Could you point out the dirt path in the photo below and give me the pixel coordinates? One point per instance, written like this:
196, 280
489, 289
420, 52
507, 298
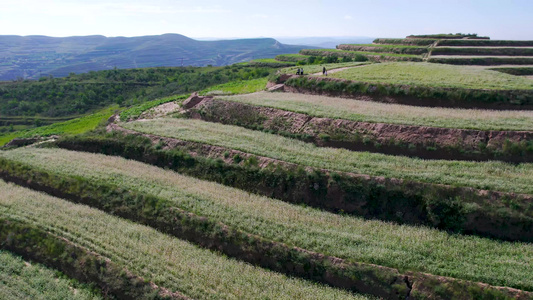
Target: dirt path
337, 70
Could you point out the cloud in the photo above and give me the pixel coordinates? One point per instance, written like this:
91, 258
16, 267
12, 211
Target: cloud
258, 16
347, 17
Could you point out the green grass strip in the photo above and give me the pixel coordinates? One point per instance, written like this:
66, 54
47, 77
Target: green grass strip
75, 126
237, 87
435, 75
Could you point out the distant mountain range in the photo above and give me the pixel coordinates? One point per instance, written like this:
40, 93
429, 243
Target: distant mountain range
31, 57
325, 42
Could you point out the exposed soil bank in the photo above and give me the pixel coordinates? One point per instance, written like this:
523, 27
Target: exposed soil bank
409, 95
418, 141
76, 262
458, 209
372, 279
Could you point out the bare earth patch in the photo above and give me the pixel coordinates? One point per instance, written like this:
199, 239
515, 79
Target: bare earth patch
160, 111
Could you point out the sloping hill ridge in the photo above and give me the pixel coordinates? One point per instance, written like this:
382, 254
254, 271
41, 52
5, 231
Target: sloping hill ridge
31, 57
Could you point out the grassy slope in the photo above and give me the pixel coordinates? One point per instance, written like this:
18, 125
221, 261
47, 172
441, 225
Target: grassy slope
167, 261
75, 126
403, 247
22, 280
497, 176
425, 74
376, 112
237, 87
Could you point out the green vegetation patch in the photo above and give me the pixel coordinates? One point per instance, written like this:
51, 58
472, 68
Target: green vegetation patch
483, 175
292, 57
20, 279
166, 261
75, 126
237, 87
376, 112
434, 75
382, 243
79, 94
135, 111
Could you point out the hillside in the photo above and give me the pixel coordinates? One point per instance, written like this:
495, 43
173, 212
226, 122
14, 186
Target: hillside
378, 179
31, 57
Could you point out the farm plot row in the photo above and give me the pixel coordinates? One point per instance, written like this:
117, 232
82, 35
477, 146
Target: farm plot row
445, 76
354, 54
377, 48
455, 43
482, 51
495, 176
20, 279
169, 262
375, 112
493, 214
415, 141
414, 93
481, 61
347, 237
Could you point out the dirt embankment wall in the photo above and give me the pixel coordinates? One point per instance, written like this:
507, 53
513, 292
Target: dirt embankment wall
418, 141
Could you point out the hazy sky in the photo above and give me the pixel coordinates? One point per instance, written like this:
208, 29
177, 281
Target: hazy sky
500, 19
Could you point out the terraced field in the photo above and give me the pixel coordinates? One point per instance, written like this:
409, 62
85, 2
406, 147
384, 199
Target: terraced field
375, 112
169, 262
434, 75
241, 194
483, 175
20, 279
351, 238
